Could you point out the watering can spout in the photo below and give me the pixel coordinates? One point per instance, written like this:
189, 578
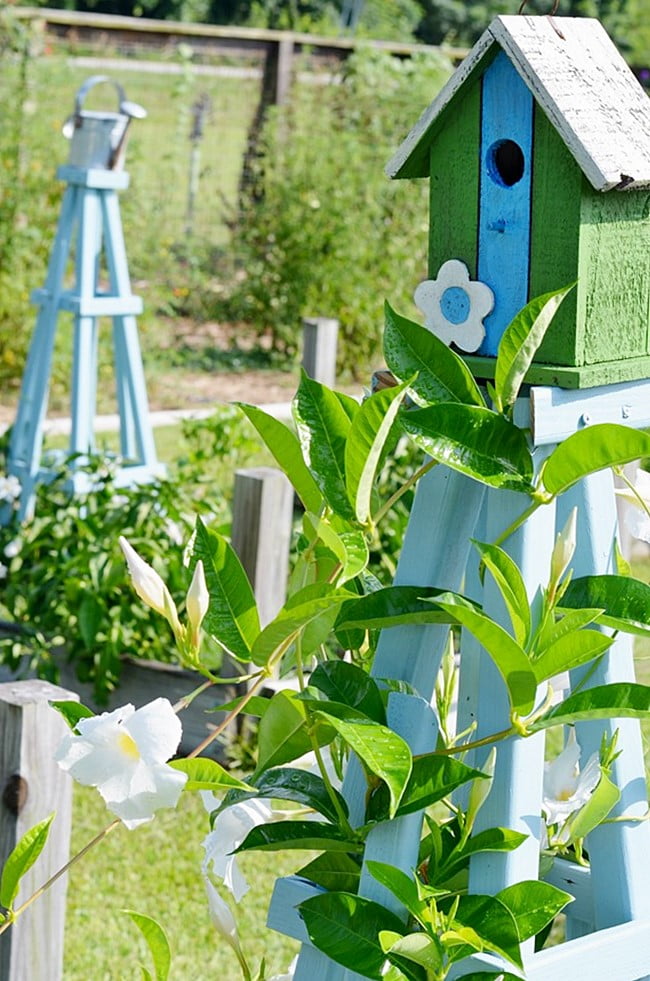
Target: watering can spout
98, 139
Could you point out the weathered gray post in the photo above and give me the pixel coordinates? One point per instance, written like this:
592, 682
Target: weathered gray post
32, 787
319, 340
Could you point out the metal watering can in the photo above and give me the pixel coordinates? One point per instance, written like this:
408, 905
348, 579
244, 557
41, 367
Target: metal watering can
98, 139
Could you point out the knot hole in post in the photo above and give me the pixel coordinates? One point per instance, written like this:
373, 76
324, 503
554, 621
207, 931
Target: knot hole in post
14, 795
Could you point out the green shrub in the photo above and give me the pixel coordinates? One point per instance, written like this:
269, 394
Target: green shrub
323, 232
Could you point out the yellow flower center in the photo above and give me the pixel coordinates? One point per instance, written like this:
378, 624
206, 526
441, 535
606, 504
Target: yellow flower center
128, 745
565, 794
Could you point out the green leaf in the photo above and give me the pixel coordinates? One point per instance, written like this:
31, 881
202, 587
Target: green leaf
285, 449
570, 651
282, 733
511, 585
157, 942
493, 922
298, 835
565, 624
365, 444
441, 375
533, 904
323, 428
604, 797
520, 341
474, 441
432, 778
394, 605
351, 685
206, 774
310, 607
621, 700
232, 616
347, 543
625, 602
402, 886
300, 786
490, 840
89, 617
347, 928
21, 860
491, 976
594, 448
72, 712
334, 871
417, 947
511, 660
382, 751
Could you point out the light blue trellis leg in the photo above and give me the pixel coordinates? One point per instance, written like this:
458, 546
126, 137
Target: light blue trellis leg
515, 798
27, 434
434, 553
620, 852
136, 434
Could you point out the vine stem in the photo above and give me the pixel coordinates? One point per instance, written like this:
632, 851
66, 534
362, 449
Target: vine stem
57, 875
496, 737
420, 472
518, 522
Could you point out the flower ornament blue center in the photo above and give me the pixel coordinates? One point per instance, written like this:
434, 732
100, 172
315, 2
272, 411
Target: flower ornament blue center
455, 305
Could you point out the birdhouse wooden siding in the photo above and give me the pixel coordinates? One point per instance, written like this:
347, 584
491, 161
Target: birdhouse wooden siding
538, 154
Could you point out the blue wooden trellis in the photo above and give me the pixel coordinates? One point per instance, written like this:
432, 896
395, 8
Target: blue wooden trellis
608, 925
89, 228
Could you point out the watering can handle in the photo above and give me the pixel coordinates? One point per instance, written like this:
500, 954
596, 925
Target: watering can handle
89, 84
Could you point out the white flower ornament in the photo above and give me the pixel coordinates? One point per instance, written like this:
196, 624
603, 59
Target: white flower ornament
454, 307
124, 755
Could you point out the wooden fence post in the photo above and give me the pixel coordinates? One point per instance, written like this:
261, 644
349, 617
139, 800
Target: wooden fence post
32, 787
319, 339
261, 534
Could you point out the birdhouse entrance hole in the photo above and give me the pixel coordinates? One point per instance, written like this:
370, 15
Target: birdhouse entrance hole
505, 162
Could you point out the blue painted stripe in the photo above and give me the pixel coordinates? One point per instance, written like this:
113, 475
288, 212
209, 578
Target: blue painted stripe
504, 200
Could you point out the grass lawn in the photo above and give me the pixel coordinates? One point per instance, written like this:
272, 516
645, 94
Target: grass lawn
155, 870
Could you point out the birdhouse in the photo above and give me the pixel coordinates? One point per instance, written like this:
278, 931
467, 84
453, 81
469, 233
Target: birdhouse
538, 155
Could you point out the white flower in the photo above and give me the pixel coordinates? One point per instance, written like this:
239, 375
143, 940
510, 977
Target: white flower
150, 587
124, 755
222, 918
565, 546
12, 549
230, 829
454, 307
566, 789
9, 488
197, 603
637, 520
290, 972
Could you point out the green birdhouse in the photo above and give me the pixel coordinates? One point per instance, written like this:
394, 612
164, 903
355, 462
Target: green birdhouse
538, 155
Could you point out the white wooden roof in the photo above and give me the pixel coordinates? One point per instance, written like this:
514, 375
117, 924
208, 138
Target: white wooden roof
582, 84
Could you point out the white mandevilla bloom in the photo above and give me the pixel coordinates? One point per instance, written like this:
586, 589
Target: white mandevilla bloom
291, 970
230, 829
9, 488
637, 520
197, 603
454, 306
12, 549
566, 788
150, 587
222, 918
124, 755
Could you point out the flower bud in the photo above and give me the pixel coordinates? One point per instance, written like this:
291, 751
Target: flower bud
221, 916
149, 586
565, 546
197, 603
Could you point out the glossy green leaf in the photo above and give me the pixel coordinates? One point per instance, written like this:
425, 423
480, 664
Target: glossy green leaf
441, 375
520, 341
21, 859
334, 871
570, 651
511, 660
604, 797
511, 585
620, 700
323, 428
394, 605
347, 543
351, 685
382, 751
432, 778
491, 976
533, 904
72, 712
298, 836
490, 840
475, 441
625, 602
417, 947
493, 922
206, 774
232, 616
588, 450
297, 785
567, 623
285, 449
311, 606
365, 445
402, 886
157, 942
347, 927
282, 733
